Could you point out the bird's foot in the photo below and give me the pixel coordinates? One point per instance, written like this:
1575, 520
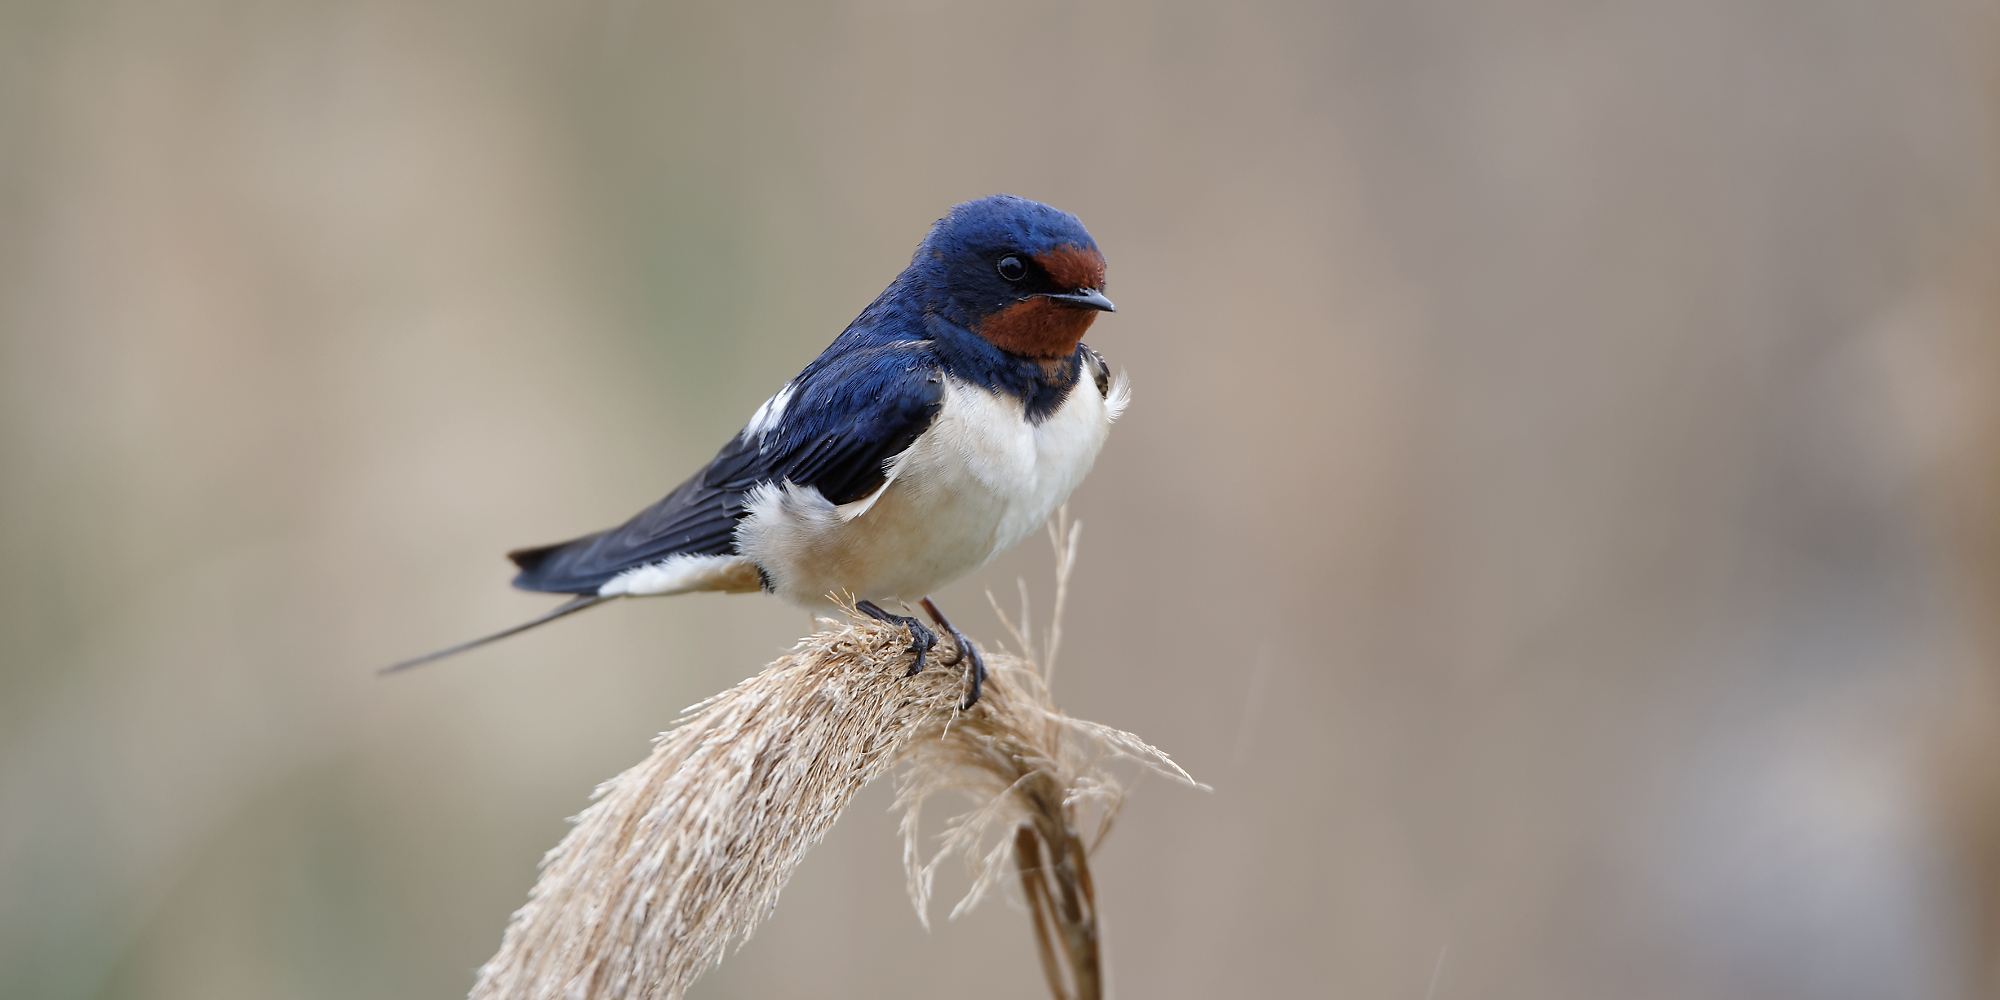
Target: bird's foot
965, 649
921, 637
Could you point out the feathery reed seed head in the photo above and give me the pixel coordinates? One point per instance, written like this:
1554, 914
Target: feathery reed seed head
687, 851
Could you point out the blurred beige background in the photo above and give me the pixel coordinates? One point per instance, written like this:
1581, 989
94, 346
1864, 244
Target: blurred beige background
1559, 514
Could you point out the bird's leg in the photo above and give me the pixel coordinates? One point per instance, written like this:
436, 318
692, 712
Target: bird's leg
921, 638
965, 649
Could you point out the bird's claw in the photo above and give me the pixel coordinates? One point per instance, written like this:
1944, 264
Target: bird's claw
922, 639
963, 649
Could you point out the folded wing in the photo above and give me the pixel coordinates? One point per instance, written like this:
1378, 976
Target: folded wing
835, 428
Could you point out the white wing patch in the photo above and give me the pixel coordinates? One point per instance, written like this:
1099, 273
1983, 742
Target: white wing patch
769, 414
680, 574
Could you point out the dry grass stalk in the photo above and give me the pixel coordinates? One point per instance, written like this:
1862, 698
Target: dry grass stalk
687, 852
1037, 778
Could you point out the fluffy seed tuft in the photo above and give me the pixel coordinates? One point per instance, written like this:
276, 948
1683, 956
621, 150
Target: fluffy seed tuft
687, 852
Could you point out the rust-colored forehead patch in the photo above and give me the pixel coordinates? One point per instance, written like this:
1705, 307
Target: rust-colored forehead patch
1073, 266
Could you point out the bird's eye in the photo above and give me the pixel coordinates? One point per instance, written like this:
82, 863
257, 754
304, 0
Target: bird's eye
1012, 269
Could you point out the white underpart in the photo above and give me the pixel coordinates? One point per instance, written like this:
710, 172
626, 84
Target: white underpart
768, 416
980, 479
680, 574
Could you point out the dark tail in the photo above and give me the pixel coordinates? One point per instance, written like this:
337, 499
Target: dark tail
580, 602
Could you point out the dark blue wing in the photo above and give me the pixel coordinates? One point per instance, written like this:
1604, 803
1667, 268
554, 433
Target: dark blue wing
850, 412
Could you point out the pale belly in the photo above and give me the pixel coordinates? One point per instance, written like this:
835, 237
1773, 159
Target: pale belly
978, 481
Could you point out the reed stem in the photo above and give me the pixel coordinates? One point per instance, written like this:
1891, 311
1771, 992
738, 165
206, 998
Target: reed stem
1063, 906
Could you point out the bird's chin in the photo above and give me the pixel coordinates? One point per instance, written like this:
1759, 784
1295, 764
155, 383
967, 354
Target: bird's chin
1037, 328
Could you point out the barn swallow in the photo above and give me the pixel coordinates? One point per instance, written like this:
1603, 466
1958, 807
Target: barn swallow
945, 424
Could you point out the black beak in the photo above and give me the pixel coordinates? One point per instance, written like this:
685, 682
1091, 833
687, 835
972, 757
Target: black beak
1084, 298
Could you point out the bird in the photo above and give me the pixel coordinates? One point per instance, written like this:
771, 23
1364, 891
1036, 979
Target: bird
945, 424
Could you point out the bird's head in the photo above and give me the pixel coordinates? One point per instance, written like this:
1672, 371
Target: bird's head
1025, 277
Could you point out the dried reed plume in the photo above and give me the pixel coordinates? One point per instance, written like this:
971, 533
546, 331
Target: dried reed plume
1037, 778
687, 851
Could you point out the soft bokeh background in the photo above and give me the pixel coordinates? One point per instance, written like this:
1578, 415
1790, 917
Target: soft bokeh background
1560, 511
